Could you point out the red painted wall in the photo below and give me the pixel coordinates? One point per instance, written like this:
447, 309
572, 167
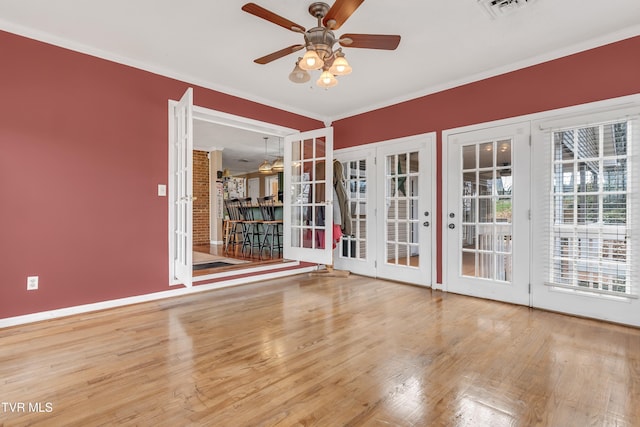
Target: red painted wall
606, 72
83, 146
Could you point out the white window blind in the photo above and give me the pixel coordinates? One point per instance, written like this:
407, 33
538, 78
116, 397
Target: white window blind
592, 208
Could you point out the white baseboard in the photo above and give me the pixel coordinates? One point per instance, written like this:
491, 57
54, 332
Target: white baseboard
216, 242
86, 308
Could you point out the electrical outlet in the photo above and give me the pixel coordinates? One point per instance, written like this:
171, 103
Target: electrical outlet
32, 283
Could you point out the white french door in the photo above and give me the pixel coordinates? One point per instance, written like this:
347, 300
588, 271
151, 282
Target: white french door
487, 213
181, 189
356, 252
405, 216
391, 193
308, 196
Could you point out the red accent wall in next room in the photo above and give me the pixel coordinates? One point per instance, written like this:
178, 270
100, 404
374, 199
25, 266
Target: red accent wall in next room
605, 72
83, 146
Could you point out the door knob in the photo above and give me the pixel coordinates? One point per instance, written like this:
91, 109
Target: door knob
452, 226
426, 223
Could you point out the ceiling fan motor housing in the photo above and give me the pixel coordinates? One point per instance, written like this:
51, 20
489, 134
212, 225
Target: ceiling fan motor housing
321, 40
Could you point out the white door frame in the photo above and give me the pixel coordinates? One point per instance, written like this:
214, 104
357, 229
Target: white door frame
226, 119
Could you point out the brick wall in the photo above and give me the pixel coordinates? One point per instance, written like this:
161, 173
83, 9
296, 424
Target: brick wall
201, 204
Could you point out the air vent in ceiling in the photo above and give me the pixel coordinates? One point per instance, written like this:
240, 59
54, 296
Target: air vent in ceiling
498, 8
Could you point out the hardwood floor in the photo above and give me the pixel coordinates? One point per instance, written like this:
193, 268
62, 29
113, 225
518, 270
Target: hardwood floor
253, 260
321, 351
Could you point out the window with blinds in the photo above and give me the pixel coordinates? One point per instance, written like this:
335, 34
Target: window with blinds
591, 208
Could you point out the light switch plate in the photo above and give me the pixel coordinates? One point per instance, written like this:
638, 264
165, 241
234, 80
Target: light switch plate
162, 190
32, 283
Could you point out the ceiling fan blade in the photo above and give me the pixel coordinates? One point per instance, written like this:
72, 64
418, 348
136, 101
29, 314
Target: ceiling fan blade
279, 54
340, 12
370, 41
263, 13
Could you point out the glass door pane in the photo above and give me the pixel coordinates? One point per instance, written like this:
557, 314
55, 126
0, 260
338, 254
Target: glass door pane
355, 178
308, 216
401, 216
486, 202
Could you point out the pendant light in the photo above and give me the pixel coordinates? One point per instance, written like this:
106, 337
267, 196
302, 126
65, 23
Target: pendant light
278, 164
265, 167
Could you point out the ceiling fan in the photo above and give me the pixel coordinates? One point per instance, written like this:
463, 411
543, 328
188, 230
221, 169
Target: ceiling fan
319, 41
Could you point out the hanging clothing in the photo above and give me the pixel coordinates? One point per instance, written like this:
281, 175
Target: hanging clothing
336, 235
341, 212
341, 198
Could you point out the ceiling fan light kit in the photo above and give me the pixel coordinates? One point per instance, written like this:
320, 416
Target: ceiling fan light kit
327, 80
298, 75
311, 61
340, 66
320, 40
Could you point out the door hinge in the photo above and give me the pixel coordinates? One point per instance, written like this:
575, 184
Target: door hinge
529, 288
529, 140
529, 214
375, 264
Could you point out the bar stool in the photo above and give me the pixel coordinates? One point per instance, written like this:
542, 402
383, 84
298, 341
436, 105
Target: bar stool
250, 227
272, 226
233, 238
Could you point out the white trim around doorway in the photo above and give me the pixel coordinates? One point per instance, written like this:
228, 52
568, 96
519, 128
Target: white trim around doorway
226, 119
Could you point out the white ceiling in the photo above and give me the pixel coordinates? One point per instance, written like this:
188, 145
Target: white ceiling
242, 150
210, 43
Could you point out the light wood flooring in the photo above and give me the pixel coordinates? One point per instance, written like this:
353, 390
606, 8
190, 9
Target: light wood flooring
254, 259
321, 351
